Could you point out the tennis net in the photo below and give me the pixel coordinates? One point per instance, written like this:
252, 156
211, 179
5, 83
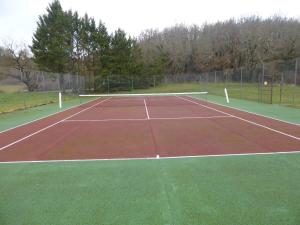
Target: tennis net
152, 99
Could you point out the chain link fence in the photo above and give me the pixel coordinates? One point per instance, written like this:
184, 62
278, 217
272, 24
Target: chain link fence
13, 80
123, 83
276, 82
28, 89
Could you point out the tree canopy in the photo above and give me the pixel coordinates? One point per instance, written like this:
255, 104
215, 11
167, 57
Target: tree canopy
66, 42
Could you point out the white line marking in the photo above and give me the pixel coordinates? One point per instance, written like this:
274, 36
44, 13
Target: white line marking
152, 158
191, 117
32, 121
146, 109
45, 128
104, 120
162, 118
243, 110
157, 156
149, 94
248, 121
226, 94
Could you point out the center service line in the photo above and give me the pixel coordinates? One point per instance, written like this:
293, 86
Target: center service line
148, 117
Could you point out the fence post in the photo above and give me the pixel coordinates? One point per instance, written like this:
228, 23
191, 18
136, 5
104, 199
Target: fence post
154, 81
272, 88
241, 94
280, 91
215, 76
43, 81
207, 84
77, 82
296, 70
262, 82
58, 81
258, 86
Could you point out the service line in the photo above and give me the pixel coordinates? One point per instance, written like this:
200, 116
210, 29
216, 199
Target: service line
45, 128
240, 118
144, 119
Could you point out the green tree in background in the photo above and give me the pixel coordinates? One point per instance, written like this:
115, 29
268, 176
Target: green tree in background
65, 42
52, 41
120, 55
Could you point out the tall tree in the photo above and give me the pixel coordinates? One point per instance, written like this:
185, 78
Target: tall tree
52, 41
120, 55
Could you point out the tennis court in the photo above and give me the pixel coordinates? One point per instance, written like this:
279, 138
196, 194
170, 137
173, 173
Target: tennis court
147, 126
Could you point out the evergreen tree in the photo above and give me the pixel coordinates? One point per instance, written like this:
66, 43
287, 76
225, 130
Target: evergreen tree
52, 41
120, 53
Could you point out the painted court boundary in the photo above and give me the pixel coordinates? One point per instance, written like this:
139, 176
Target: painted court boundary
243, 110
231, 107
227, 114
146, 94
153, 158
44, 117
245, 120
45, 128
151, 118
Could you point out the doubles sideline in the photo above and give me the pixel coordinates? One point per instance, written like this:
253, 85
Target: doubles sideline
240, 118
45, 128
43, 117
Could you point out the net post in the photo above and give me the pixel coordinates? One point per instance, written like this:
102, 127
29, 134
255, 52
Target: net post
60, 100
226, 94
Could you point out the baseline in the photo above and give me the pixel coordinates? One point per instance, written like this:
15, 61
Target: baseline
153, 158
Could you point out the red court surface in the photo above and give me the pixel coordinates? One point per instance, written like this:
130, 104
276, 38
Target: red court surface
147, 127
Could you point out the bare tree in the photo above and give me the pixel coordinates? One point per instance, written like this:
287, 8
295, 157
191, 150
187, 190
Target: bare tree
21, 60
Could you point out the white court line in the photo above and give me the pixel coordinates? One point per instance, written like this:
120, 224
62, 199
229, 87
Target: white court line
146, 109
45, 128
32, 121
243, 110
145, 94
248, 121
153, 158
152, 118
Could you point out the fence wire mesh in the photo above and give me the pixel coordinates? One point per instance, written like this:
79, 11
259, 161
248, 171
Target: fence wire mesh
275, 82
12, 80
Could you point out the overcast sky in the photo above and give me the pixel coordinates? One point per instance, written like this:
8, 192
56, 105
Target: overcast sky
18, 17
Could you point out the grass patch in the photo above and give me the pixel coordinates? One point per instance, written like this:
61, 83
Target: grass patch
10, 102
288, 95
7, 88
12, 119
